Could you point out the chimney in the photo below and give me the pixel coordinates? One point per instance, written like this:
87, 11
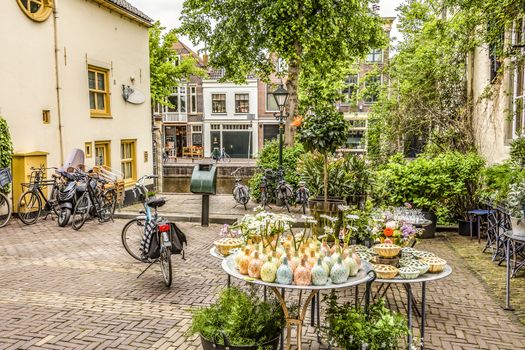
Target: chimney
205, 60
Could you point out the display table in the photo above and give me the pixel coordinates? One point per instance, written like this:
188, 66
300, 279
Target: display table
407, 283
518, 245
363, 276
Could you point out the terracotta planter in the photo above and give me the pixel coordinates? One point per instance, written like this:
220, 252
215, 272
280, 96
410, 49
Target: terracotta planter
210, 345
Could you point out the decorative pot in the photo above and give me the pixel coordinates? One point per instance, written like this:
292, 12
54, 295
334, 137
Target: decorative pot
302, 275
339, 272
331, 207
284, 274
466, 227
212, 345
319, 275
430, 230
268, 271
518, 226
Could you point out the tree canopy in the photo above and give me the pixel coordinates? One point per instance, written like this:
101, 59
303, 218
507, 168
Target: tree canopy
311, 35
166, 70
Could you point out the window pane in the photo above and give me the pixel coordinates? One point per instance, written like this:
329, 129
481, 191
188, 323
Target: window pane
101, 82
91, 76
194, 103
91, 100
183, 103
34, 7
174, 101
101, 103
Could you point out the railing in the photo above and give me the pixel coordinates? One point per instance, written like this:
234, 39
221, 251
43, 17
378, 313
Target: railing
174, 117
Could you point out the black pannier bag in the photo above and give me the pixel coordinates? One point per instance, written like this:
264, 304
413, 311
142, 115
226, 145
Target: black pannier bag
178, 240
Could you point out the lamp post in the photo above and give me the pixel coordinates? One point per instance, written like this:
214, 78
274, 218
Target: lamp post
280, 95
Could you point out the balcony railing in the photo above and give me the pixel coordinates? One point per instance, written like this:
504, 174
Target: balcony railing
174, 117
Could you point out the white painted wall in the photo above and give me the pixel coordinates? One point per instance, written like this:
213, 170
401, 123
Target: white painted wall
88, 34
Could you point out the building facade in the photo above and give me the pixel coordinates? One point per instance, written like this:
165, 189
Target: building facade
230, 116
368, 75
75, 74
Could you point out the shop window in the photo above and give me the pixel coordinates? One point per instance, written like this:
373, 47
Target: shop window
218, 103
242, 103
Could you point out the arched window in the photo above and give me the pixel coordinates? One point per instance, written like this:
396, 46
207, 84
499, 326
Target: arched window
37, 10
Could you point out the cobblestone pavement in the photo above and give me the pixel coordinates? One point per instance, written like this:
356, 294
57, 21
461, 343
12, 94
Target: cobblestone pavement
62, 289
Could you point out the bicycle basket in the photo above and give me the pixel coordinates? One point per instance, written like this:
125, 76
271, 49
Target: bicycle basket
5, 177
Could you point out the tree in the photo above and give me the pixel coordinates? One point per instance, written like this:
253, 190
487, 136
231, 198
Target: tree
308, 35
324, 131
6, 148
166, 70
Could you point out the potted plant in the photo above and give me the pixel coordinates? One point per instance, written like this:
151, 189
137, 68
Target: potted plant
516, 207
238, 320
324, 131
352, 328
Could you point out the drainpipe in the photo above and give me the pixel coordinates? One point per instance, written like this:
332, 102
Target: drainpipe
58, 81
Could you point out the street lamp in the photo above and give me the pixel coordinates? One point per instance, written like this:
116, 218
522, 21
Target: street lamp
280, 95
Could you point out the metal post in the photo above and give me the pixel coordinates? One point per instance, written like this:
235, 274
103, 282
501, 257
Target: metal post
423, 312
281, 127
205, 213
508, 307
282, 330
409, 315
312, 311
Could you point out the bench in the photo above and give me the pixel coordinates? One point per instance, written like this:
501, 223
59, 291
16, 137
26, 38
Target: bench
192, 151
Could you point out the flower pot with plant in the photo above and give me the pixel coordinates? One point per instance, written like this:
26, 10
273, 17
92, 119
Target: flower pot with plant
515, 207
238, 320
323, 132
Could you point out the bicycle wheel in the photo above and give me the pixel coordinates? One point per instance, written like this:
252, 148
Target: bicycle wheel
244, 196
109, 202
5, 210
165, 264
132, 234
53, 201
264, 199
81, 212
29, 207
63, 217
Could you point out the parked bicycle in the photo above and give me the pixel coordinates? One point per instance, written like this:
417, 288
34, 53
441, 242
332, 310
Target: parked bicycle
30, 203
96, 201
5, 204
220, 156
301, 195
149, 238
240, 191
284, 191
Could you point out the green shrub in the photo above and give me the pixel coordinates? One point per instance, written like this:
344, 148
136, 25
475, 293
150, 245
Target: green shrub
497, 180
244, 318
269, 159
6, 149
448, 185
350, 328
517, 151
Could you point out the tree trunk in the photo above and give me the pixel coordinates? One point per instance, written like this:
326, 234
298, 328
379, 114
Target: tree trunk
325, 181
293, 99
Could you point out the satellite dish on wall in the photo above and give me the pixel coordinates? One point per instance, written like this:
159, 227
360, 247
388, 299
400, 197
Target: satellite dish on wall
132, 95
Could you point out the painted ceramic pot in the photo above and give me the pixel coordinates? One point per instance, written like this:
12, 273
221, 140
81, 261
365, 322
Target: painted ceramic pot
339, 273
284, 274
327, 260
268, 271
254, 268
312, 259
325, 249
351, 265
295, 261
244, 261
356, 257
302, 275
319, 275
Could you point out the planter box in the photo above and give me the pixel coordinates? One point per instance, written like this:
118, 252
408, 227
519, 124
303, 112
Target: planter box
331, 207
465, 228
518, 226
209, 345
430, 230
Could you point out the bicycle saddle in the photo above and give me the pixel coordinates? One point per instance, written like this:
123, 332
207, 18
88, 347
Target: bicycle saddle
155, 202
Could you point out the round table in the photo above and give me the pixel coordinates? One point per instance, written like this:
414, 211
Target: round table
511, 239
407, 283
363, 276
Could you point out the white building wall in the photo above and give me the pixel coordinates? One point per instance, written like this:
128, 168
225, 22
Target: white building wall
211, 87
87, 34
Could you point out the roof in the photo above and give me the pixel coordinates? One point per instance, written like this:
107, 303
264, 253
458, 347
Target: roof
183, 49
126, 8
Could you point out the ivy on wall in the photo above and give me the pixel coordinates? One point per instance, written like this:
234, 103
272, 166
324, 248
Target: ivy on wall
6, 148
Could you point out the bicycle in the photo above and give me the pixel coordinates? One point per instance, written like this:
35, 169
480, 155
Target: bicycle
301, 195
263, 188
240, 191
5, 204
30, 202
136, 232
95, 201
284, 192
220, 156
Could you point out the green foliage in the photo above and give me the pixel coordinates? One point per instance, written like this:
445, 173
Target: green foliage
323, 131
6, 148
448, 184
164, 71
517, 151
312, 35
350, 328
244, 318
269, 159
497, 180
516, 199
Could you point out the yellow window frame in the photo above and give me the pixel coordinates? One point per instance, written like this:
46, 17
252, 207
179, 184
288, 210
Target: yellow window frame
106, 146
106, 112
44, 11
132, 160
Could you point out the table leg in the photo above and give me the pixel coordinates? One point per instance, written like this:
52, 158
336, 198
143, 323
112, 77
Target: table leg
312, 311
409, 315
479, 228
291, 321
265, 294
423, 312
318, 316
356, 295
507, 284
229, 281
282, 331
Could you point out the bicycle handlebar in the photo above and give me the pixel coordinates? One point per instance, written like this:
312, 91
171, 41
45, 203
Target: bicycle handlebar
235, 171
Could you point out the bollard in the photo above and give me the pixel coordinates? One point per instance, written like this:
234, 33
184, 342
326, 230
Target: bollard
205, 213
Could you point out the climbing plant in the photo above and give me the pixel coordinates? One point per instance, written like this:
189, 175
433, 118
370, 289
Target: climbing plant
6, 148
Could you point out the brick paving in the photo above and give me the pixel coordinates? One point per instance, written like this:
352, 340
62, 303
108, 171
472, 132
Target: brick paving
62, 289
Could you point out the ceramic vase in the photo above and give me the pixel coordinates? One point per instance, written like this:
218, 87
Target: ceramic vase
302, 275
284, 274
254, 268
339, 272
319, 275
244, 261
268, 271
351, 265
